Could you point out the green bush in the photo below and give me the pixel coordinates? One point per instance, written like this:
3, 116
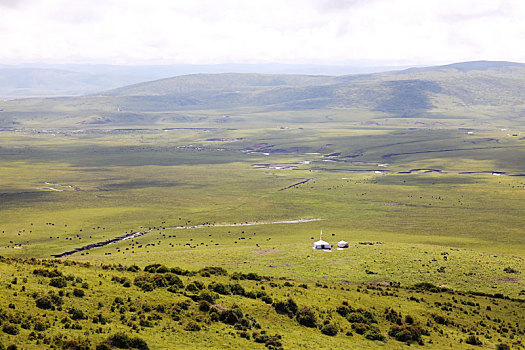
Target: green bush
219, 288
76, 344
288, 307
58, 282
306, 317
204, 306
406, 333
360, 328
192, 326
10, 328
329, 329
374, 334
76, 314
79, 293
473, 340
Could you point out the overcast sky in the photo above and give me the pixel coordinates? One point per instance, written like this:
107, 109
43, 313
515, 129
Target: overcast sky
370, 32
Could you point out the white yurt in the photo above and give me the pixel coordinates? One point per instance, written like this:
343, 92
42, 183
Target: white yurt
342, 244
320, 244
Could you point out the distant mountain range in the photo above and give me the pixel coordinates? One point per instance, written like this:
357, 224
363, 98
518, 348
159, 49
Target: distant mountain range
456, 90
47, 80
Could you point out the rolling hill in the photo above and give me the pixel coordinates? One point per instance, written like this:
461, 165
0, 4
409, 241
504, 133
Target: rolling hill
479, 90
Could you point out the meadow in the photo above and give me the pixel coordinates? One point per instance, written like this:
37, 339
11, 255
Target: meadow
432, 208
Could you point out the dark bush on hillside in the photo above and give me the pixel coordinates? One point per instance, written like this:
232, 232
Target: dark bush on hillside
10, 328
237, 289
123, 341
406, 333
355, 317
133, 268
122, 280
219, 288
153, 268
246, 276
360, 328
344, 310
149, 283
192, 326
430, 287
47, 273
288, 307
231, 316
195, 286
181, 272
208, 296
306, 317
473, 340
173, 280
374, 334
76, 314
204, 306
510, 270
50, 301
58, 282
79, 293
266, 299
40, 325
270, 341
440, 319
329, 329
102, 347
76, 344
502, 346
393, 316
213, 270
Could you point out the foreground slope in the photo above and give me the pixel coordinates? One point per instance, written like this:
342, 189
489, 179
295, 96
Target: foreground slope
80, 306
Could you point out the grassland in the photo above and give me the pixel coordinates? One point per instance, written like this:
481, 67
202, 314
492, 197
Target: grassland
436, 199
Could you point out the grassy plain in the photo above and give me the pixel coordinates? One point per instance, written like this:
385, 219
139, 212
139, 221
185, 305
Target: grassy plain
440, 205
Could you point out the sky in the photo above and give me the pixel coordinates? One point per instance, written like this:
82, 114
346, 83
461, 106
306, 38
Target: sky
327, 32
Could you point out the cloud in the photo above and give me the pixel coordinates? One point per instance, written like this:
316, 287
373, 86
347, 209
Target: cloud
293, 31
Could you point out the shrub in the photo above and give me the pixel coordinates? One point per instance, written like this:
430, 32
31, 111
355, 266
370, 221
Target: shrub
208, 296
123, 341
192, 326
47, 273
502, 346
219, 288
76, 314
237, 289
213, 270
138, 343
195, 286
306, 317
79, 293
374, 334
174, 280
229, 317
10, 328
288, 307
76, 344
204, 306
406, 333
473, 340
58, 282
355, 317
329, 329
40, 326
360, 328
